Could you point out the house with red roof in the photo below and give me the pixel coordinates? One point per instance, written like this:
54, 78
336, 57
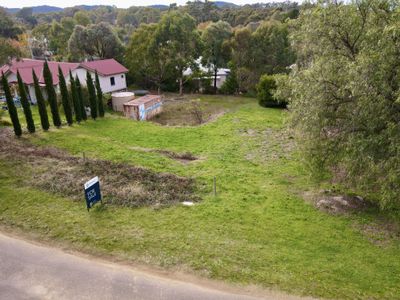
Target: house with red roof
112, 75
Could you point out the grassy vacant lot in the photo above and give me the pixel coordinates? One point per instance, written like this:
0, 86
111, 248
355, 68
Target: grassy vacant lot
258, 230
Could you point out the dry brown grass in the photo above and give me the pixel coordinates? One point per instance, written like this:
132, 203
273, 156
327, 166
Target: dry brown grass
57, 172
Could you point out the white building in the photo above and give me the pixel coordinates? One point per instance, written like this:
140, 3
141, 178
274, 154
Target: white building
112, 75
222, 73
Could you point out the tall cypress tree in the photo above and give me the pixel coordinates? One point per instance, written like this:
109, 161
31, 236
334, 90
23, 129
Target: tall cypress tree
75, 99
44, 119
65, 97
11, 107
51, 95
80, 96
92, 96
99, 96
25, 104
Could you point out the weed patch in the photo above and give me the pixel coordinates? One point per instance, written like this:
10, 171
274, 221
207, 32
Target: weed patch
122, 184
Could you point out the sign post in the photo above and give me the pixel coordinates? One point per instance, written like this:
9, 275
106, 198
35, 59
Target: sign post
92, 192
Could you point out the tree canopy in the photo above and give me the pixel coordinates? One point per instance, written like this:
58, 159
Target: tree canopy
94, 41
344, 94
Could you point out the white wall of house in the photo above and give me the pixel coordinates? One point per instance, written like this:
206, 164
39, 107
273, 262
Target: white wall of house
119, 80
31, 91
12, 77
220, 80
113, 83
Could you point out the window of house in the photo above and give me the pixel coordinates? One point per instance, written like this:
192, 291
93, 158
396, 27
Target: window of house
122, 76
112, 80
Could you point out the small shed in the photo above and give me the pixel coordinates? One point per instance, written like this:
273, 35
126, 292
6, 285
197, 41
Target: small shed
143, 108
119, 99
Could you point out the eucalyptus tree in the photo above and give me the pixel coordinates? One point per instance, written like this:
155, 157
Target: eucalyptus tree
216, 52
344, 94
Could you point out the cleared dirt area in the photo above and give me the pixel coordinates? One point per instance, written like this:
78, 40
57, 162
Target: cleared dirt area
190, 110
55, 171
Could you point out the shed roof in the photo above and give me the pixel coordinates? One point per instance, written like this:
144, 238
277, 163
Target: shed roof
143, 100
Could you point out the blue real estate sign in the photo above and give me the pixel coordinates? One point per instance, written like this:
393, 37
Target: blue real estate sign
92, 192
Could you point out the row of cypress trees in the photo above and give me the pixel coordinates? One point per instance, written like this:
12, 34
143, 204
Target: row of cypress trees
74, 96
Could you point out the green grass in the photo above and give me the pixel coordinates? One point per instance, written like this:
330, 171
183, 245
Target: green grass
256, 231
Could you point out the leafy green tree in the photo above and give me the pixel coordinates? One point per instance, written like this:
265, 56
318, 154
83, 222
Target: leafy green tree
80, 98
11, 107
202, 11
265, 50
25, 104
96, 40
8, 28
99, 94
81, 17
216, 51
60, 34
344, 94
75, 99
272, 52
148, 63
51, 95
135, 16
65, 97
44, 119
92, 96
176, 34
26, 15
8, 50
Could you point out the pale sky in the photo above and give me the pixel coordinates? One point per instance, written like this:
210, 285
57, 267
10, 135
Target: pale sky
118, 3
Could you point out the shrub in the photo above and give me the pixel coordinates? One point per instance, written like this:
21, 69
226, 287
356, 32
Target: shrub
25, 104
11, 107
44, 119
230, 86
51, 95
265, 92
92, 96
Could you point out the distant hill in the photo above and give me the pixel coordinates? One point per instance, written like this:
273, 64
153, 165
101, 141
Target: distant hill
90, 7
159, 6
223, 4
48, 9
42, 9
38, 9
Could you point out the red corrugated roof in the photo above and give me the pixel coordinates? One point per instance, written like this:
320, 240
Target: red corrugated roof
25, 66
105, 67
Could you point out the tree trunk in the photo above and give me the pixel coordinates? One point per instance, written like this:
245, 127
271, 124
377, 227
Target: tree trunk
159, 89
180, 86
215, 80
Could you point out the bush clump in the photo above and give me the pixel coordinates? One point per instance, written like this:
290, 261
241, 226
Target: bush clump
265, 92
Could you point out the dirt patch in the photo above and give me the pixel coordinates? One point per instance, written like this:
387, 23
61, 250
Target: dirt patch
336, 204
341, 204
380, 233
57, 172
185, 111
185, 157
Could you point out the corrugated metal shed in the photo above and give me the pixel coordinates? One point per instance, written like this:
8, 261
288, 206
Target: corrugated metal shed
143, 108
